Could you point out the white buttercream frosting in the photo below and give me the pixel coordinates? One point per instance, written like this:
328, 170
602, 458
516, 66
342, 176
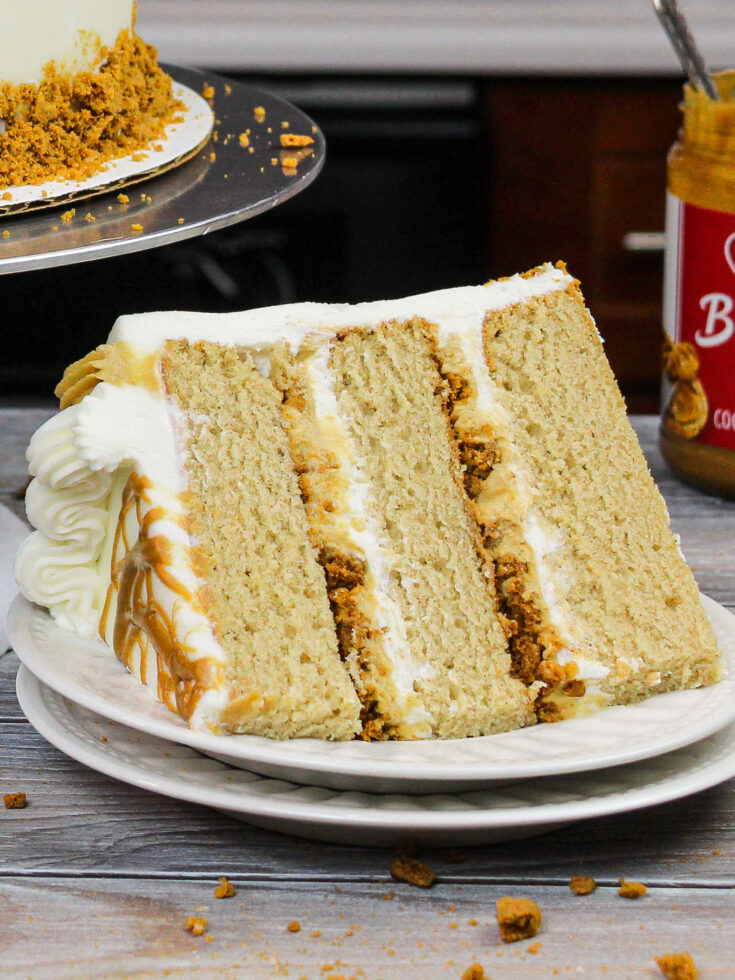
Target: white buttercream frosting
454, 310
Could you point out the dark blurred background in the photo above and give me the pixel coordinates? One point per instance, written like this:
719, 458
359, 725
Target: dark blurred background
438, 173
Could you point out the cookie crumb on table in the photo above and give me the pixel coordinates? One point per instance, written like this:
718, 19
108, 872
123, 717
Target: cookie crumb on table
225, 888
196, 925
518, 918
474, 972
582, 885
677, 966
406, 868
631, 889
294, 926
15, 801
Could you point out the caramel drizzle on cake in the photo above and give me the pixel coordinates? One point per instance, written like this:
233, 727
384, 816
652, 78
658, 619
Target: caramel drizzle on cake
140, 618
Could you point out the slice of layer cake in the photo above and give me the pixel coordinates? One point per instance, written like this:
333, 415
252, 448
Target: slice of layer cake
426, 517
77, 88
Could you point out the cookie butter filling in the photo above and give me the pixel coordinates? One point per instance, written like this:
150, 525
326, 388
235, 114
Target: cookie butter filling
502, 496
358, 526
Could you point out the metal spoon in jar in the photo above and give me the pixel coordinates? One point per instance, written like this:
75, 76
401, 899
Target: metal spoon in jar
683, 43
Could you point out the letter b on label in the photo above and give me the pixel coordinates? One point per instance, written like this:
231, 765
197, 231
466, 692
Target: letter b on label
720, 326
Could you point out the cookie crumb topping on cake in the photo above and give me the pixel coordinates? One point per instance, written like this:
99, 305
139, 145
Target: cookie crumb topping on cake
69, 125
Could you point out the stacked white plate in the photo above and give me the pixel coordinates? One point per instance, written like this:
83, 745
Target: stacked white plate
499, 787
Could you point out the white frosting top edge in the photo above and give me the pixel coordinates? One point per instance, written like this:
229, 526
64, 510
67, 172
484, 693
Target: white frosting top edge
295, 322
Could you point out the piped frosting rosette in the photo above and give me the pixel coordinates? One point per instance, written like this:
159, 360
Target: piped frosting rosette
67, 502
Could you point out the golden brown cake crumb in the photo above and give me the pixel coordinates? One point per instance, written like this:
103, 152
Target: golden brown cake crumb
474, 972
6, 233
228, 90
225, 888
208, 92
389, 896
68, 215
15, 801
631, 889
137, 228
582, 885
244, 139
518, 918
196, 924
89, 217
413, 872
677, 966
259, 113
294, 926
123, 198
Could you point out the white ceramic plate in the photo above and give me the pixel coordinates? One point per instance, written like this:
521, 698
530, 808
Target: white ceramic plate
178, 142
86, 671
500, 813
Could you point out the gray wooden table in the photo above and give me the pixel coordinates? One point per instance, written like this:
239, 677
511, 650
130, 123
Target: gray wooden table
97, 878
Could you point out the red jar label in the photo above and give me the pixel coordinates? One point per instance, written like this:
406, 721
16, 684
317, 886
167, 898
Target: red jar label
699, 319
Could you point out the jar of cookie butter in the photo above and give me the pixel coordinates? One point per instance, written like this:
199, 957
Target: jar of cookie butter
698, 413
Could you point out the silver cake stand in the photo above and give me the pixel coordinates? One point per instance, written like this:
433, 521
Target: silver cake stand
224, 183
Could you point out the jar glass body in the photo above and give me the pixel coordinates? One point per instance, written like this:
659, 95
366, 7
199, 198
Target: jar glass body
698, 413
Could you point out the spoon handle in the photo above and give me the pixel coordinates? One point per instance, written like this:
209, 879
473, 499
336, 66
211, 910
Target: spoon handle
683, 43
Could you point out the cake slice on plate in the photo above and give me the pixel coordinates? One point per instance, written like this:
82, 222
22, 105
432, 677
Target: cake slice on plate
427, 517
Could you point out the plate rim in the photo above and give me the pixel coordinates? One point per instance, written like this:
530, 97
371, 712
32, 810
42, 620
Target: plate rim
694, 779
264, 751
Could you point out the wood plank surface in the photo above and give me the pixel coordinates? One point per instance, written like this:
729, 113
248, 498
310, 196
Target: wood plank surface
137, 929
